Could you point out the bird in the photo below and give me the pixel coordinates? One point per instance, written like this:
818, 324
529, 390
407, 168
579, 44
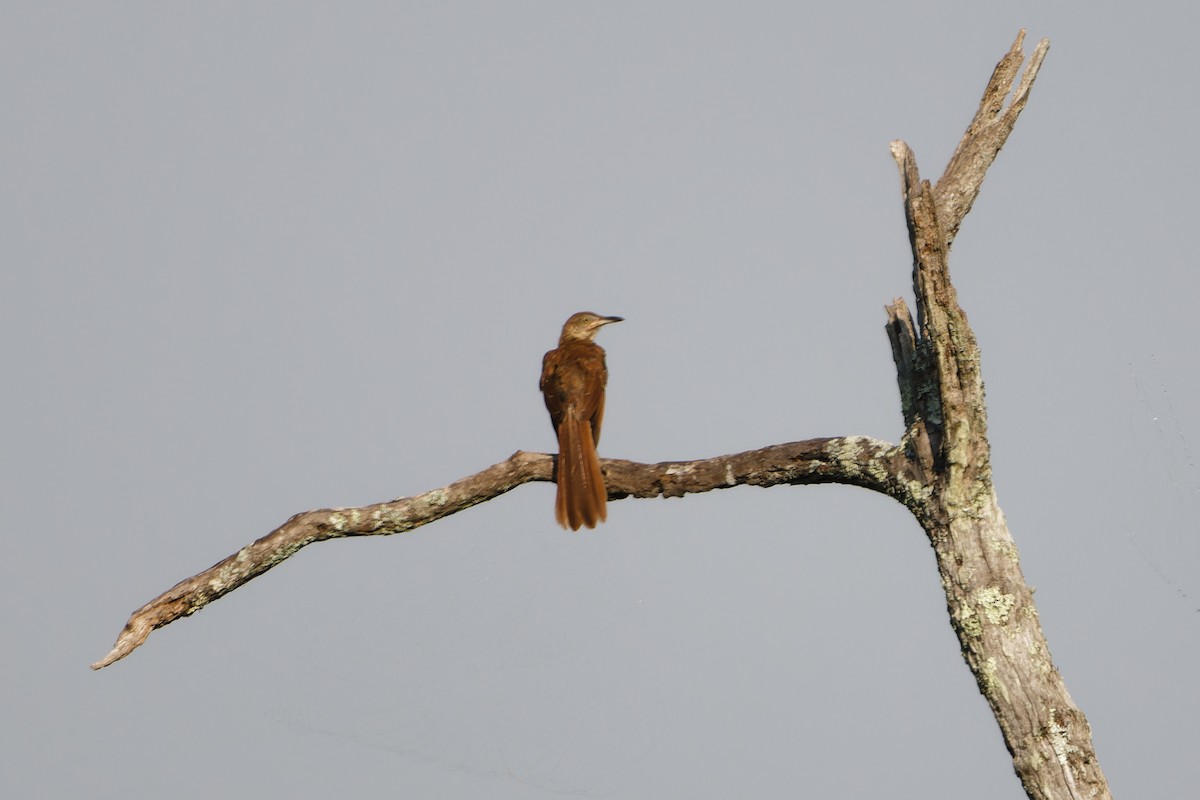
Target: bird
573, 379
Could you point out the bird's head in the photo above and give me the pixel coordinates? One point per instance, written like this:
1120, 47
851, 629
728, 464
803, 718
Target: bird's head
582, 327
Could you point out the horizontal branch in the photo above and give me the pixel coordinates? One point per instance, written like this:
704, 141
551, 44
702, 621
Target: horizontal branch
856, 460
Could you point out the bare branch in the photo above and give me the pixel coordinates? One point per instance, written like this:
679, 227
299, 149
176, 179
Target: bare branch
856, 460
945, 344
903, 338
991, 605
985, 136
189, 596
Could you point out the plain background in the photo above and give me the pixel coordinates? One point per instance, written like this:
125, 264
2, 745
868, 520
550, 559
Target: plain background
266, 257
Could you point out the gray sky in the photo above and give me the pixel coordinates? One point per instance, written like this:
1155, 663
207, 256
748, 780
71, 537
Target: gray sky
266, 258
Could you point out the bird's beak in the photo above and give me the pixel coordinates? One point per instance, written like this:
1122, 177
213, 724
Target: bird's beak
606, 320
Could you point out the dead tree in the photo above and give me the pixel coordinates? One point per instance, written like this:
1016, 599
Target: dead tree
940, 471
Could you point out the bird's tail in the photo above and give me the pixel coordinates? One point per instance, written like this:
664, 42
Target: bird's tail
581, 493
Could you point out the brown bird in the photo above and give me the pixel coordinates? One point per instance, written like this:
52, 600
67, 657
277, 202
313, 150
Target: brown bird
573, 379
